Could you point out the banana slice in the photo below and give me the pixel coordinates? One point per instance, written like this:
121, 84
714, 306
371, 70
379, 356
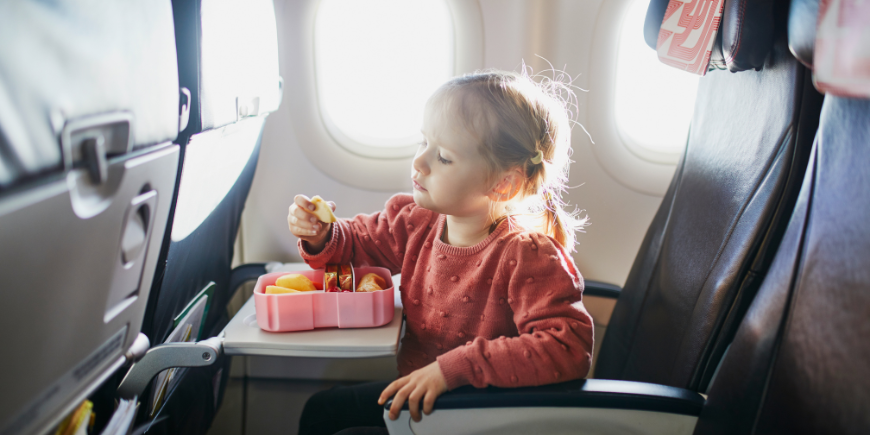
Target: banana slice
322, 210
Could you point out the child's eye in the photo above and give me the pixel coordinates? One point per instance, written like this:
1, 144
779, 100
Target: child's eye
443, 160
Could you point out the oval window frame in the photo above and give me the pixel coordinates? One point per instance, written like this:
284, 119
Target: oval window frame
643, 151
305, 127
630, 164
407, 146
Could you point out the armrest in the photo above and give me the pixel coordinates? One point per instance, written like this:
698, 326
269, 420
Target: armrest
243, 273
601, 289
602, 406
586, 393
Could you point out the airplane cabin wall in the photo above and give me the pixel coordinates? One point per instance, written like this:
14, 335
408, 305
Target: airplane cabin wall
562, 32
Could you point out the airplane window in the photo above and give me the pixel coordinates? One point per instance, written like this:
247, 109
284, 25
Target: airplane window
376, 63
654, 102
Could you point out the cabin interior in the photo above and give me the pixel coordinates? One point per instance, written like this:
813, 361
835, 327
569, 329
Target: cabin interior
150, 149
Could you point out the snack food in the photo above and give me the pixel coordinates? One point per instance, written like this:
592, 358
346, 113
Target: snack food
277, 290
345, 277
371, 282
295, 281
322, 210
330, 278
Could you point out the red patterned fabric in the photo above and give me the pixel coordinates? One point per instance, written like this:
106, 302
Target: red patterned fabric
505, 312
688, 32
842, 57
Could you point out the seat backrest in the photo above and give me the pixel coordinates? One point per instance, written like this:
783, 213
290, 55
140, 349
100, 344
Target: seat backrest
799, 362
89, 104
228, 58
234, 83
725, 211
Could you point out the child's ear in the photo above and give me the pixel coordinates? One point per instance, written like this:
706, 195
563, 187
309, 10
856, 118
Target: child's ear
507, 187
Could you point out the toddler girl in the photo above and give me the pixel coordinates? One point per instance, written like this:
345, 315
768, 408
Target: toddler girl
490, 294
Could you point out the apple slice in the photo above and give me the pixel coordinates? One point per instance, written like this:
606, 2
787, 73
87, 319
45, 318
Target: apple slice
322, 210
275, 290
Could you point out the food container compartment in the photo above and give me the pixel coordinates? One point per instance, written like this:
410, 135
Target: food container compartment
319, 309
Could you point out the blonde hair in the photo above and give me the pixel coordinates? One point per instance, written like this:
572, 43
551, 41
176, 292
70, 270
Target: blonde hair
513, 117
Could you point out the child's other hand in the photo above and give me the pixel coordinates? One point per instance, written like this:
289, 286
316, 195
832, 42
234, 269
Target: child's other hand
427, 383
304, 225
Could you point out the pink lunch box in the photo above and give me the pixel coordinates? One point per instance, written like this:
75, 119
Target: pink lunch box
318, 309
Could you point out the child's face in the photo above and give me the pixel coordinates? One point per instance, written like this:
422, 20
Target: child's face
448, 172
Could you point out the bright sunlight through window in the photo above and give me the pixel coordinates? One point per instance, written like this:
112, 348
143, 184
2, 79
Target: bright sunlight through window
377, 61
654, 102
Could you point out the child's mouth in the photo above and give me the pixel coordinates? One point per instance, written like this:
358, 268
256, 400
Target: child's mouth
418, 186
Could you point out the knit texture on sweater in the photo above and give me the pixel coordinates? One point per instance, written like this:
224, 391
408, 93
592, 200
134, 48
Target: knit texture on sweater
506, 312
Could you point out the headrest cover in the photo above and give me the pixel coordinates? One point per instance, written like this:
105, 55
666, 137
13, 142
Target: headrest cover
741, 35
239, 50
802, 20
688, 32
842, 56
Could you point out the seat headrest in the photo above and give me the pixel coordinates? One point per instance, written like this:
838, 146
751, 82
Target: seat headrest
841, 60
802, 20
745, 29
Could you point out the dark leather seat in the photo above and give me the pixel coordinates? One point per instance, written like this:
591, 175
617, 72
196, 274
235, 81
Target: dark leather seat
800, 362
725, 211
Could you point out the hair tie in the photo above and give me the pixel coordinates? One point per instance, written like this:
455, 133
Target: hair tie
538, 158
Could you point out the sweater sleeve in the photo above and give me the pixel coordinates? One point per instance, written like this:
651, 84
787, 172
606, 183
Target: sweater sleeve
377, 239
555, 330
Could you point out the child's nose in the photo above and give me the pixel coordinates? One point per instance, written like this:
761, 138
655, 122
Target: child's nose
419, 164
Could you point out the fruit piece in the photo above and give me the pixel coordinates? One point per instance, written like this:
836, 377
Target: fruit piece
333, 290
322, 210
345, 282
295, 281
330, 281
371, 282
276, 290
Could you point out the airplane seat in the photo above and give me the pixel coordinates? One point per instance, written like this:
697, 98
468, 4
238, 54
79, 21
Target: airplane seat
799, 362
228, 59
89, 105
721, 219
701, 262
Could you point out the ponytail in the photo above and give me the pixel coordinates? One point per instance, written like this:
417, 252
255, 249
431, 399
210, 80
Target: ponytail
559, 224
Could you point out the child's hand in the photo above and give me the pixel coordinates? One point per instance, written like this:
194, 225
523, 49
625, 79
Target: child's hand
304, 225
427, 383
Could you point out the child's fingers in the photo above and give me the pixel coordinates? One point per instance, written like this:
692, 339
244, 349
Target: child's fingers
391, 389
302, 223
331, 205
303, 202
399, 400
414, 402
429, 401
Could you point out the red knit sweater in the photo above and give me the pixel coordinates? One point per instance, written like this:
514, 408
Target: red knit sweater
505, 312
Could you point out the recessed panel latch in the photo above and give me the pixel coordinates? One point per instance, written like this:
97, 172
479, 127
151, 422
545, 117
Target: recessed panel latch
88, 142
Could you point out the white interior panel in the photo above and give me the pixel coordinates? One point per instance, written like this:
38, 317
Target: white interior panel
551, 421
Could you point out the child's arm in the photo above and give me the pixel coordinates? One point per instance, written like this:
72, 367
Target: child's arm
378, 239
555, 342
